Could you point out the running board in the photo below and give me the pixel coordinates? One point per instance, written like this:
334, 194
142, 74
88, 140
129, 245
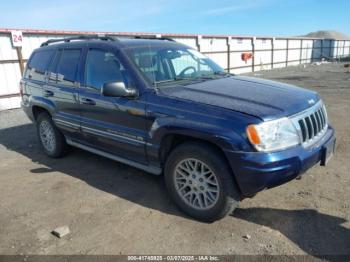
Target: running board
149, 169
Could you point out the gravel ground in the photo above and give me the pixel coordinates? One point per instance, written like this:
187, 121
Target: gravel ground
111, 208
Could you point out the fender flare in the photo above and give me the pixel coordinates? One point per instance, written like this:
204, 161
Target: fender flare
161, 128
43, 103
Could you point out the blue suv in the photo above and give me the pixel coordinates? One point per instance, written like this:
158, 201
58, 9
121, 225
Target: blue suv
165, 108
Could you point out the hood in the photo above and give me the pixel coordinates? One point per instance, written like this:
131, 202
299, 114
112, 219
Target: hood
261, 98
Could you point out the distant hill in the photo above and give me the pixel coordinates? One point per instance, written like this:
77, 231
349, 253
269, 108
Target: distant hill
328, 34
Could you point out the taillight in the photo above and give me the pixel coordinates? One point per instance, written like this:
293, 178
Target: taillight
21, 89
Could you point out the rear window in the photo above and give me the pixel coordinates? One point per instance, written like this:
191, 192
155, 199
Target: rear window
38, 65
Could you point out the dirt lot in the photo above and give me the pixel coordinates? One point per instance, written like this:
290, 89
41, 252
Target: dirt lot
115, 209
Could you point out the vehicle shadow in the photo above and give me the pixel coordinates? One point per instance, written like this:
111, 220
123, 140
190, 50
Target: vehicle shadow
315, 233
318, 234
104, 174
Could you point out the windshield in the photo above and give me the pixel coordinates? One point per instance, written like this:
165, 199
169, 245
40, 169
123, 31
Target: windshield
169, 64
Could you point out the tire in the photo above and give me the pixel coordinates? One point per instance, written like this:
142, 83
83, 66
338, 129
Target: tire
51, 139
194, 191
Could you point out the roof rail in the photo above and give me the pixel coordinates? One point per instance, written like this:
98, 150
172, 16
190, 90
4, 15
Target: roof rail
81, 37
154, 38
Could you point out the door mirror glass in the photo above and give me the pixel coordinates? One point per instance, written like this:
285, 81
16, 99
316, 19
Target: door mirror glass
118, 89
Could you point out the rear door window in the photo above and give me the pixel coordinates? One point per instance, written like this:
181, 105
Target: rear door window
38, 64
66, 70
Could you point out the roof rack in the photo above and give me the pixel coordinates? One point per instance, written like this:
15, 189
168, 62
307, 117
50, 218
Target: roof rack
82, 37
154, 38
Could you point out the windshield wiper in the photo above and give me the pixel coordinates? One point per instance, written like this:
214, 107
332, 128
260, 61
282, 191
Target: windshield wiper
172, 80
191, 79
222, 73
214, 75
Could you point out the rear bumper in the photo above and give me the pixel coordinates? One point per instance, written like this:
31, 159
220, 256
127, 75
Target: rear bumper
27, 109
256, 171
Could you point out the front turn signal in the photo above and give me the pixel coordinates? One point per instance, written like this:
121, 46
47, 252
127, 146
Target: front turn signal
253, 135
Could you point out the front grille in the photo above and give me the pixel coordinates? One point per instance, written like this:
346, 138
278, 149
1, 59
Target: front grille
311, 124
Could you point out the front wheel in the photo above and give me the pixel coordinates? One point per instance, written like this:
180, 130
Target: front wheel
200, 182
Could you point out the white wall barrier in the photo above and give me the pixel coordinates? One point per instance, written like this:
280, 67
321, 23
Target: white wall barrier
234, 53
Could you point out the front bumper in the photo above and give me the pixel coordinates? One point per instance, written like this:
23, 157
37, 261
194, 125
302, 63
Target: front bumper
256, 171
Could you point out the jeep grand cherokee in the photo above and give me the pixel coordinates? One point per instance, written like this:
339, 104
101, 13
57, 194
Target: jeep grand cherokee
165, 108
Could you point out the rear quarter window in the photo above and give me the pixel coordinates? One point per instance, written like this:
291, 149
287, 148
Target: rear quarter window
38, 64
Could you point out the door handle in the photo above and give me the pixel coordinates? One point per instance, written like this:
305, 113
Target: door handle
88, 101
48, 93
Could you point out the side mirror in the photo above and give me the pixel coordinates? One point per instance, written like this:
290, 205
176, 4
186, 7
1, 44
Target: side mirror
118, 89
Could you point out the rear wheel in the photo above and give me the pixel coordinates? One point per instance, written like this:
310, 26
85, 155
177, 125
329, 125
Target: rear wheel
200, 182
51, 139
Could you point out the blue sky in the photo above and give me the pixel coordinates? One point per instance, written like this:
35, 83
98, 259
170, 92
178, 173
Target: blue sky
244, 17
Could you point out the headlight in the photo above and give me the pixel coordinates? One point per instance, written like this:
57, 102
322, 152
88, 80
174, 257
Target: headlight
273, 135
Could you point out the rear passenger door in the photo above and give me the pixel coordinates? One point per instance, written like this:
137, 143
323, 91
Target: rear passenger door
62, 89
112, 124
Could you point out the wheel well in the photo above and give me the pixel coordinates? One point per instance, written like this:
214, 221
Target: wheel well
171, 141
38, 110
